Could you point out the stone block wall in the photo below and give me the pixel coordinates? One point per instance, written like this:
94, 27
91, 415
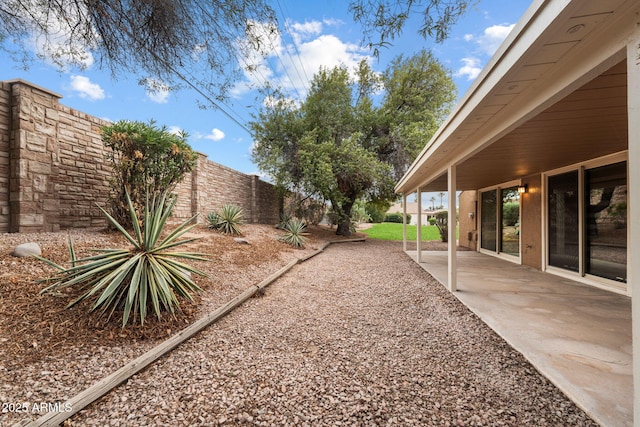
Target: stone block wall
5, 132
211, 185
54, 172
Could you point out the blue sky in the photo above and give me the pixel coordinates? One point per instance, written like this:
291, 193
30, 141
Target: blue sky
317, 33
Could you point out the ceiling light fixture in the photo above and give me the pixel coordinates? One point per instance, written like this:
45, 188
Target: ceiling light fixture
575, 28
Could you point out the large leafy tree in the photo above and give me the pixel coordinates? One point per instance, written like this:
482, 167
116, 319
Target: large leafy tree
341, 145
419, 93
193, 43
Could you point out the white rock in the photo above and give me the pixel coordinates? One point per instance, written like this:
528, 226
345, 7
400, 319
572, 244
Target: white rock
27, 249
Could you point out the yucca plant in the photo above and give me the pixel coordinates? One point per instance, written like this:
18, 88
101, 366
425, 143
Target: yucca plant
294, 232
149, 275
227, 220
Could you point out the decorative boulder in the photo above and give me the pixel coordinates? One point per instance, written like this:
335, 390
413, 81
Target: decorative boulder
241, 241
27, 249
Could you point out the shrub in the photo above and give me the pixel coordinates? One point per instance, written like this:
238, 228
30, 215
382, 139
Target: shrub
149, 276
393, 217
295, 231
145, 158
227, 220
376, 215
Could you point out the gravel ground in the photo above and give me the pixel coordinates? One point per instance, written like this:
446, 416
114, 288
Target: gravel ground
358, 335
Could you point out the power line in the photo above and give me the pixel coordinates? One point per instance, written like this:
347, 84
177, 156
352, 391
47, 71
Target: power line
288, 29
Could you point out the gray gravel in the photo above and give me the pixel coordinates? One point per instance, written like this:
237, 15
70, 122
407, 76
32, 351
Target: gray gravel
358, 335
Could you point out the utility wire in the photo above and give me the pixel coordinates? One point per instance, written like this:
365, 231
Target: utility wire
304, 71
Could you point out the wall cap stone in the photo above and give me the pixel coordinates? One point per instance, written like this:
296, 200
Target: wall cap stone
33, 85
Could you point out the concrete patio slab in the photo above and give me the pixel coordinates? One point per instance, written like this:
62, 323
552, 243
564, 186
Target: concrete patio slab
576, 335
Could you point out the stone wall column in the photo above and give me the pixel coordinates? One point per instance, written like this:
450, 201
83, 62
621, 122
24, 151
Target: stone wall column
33, 160
254, 214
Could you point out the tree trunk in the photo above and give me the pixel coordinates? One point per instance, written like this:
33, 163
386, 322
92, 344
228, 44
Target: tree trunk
344, 228
344, 215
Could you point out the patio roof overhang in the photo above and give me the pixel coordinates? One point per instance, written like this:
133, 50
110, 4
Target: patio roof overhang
554, 94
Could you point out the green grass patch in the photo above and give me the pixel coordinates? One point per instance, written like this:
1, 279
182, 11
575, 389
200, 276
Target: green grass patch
393, 231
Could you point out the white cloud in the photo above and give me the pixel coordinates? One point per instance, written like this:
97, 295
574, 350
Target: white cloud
332, 22
471, 68
83, 87
267, 58
329, 51
307, 28
215, 135
157, 91
175, 130
58, 50
487, 44
57, 45
493, 36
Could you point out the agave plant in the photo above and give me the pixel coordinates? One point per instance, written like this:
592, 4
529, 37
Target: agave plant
150, 275
227, 220
294, 232
214, 220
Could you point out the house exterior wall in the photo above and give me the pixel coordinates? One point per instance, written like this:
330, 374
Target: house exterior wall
54, 173
468, 220
531, 222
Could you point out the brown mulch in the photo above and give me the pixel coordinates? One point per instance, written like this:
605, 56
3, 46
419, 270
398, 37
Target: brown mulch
35, 326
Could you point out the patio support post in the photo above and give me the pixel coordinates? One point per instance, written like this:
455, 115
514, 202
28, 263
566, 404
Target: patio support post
451, 221
633, 212
419, 225
404, 222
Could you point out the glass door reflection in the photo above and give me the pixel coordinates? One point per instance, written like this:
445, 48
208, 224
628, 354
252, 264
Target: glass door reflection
606, 221
510, 221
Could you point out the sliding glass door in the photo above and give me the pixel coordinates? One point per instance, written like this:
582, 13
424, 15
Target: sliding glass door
606, 224
500, 220
564, 228
587, 221
489, 206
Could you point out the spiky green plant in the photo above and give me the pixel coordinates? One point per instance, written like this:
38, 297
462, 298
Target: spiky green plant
227, 220
213, 219
294, 232
149, 275
285, 217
